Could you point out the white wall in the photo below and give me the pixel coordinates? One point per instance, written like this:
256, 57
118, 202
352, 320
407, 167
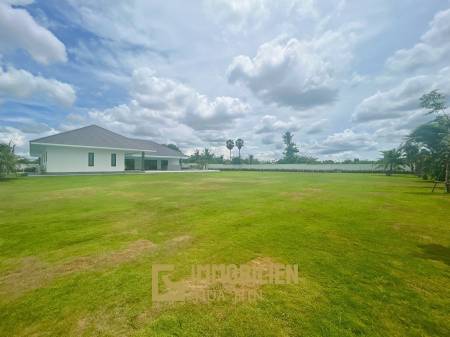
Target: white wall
174, 164
72, 159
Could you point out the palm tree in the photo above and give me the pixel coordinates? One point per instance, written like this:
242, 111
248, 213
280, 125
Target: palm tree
206, 156
239, 144
411, 152
434, 137
435, 102
8, 159
391, 161
230, 145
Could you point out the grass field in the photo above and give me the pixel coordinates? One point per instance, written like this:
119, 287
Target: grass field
76, 253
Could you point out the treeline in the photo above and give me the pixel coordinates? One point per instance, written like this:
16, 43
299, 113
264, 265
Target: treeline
206, 156
291, 155
426, 150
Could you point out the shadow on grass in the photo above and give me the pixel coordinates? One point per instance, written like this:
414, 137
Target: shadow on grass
7, 179
436, 252
429, 193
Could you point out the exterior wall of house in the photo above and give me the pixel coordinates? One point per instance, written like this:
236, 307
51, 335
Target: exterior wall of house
66, 159
174, 164
71, 159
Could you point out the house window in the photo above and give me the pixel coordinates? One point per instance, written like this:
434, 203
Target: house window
129, 163
150, 164
91, 159
113, 159
164, 165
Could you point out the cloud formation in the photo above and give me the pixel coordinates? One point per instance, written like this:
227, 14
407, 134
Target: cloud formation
269, 124
433, 47
251, 69
170, 111
18, 30
403, 99
174, 100
296, 73
346, 141
10, 134
21, 84
241, 16
237, 14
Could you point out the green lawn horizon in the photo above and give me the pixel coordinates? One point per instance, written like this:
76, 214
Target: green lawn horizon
76, 253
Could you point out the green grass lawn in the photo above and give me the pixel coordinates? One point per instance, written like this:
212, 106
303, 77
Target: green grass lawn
76, 253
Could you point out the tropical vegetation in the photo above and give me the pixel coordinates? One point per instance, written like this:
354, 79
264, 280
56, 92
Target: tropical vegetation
8, 159
426, 150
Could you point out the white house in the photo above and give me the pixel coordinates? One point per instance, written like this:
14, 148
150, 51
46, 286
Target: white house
95, 149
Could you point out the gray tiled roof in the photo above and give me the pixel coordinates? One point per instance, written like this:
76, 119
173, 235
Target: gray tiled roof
96, 136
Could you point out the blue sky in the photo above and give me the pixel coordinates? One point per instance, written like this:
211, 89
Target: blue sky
344, 76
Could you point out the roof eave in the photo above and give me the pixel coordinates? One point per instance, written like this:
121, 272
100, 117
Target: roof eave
92, 147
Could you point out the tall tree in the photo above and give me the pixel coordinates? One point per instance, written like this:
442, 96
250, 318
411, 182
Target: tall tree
434, 158
435, 102
391, 161
230, 144
196, 156
205, 157
239, 144
173, 147
424, 163
411, 152
291, 149
8, 159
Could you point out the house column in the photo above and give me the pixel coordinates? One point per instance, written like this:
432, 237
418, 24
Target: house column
142, 161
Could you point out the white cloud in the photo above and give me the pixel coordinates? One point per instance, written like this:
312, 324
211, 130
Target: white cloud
433, 47
174, 100
18, 30
14, 135
27, 125
237, 13
346, 141
269, 123
297, 73
316, 127
268, 139
125, 22
281, 56
170, 111
137, 121
20, 136
401, 100
394, 110
244, 15
19, 83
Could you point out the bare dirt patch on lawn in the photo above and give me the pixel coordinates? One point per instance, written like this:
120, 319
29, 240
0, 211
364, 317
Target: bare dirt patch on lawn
72, 193
33, 273
298, 195
294, 195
